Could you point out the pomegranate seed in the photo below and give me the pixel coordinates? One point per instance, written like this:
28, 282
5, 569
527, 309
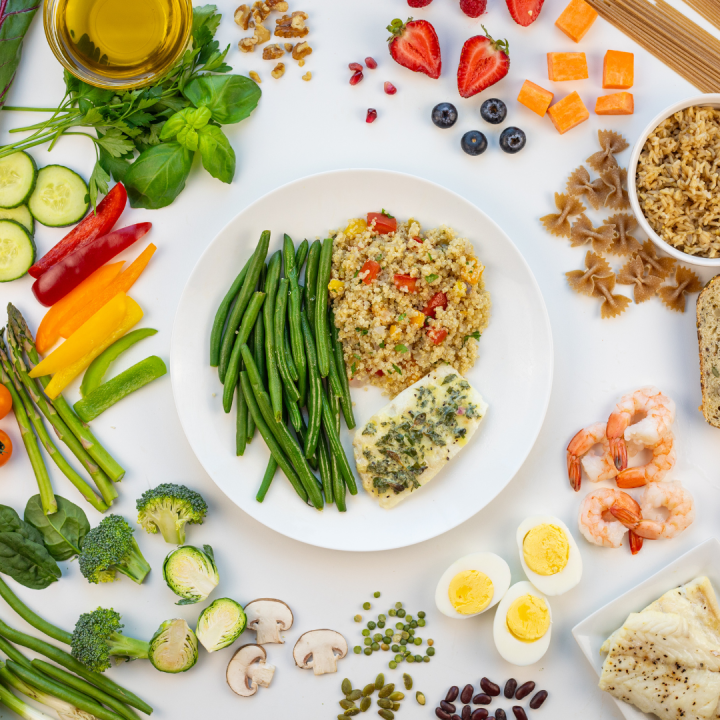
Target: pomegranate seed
370, 62
356, 78
355, 67
371, 115
390, 89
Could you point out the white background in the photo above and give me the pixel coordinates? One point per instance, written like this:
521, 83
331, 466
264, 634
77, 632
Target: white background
302, 128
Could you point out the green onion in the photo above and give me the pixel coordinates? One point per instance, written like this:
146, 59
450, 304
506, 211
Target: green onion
386, 213
353, 368
430, 256
402, 317
362, 331
397, 369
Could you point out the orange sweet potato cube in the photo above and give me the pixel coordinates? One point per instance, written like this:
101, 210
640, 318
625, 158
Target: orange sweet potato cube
576, 19
534, 97
567, 66
618, 70
568, 112
621, 103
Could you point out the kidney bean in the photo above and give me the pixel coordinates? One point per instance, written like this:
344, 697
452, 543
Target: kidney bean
510, 687
479, 714
500, 714
466, 712
490, 687
452, 693
538, 699
455, 717
519, 713
447, 707
524, 690
442, 714
466, 694
482, 699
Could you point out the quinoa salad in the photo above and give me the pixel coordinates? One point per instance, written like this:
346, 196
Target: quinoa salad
406, 300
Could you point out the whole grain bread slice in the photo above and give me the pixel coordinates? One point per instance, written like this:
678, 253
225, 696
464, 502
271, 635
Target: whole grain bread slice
708, 330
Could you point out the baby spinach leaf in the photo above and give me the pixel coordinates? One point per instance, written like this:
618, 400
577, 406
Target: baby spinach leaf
158, 175
63, 532
230, 98
217, 155
10, 522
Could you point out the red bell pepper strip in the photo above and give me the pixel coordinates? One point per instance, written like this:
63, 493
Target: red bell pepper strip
405, 281
384, 224
67, 274
437, 334
438, 300
370, 270
93, 226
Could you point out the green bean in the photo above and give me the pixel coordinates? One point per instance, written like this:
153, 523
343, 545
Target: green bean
216, 334
336, 447
338, 483
233, 368
267, 478
258, 348
311, 281
333, 375
263, 426
315, 407
280, 315
296, 338
325, 471
321, 305
286, 440
293, 412
313, 459
241, 422
243, 298
288, 356
271, 286
301, 256
337, 348
13, 653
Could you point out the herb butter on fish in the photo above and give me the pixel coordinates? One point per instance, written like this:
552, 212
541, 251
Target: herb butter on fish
412, 438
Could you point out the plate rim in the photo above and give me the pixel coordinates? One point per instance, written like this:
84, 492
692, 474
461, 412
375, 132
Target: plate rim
549, 370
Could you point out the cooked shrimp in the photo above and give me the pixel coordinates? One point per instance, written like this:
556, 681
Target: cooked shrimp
663, 460
659, 414
678, 503
597, 467
598, 524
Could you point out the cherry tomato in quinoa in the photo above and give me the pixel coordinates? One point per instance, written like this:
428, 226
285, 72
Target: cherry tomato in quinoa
383, 223
5, 401
370, 270
437, 334
438, 300
405, 281
5, 448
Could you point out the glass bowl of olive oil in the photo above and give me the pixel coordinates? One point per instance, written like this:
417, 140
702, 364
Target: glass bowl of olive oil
118, 44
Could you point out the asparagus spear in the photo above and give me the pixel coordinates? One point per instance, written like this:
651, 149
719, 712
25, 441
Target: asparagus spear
55, 455
101, 456
104, 485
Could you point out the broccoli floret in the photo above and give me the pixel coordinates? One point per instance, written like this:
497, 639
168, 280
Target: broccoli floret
167, 508
109, 548
97, 637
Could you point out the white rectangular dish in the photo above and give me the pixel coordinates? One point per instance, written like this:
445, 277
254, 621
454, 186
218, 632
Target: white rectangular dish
592, 632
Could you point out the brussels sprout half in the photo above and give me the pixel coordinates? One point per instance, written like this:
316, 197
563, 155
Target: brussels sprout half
191, 573
220, 624
173, 647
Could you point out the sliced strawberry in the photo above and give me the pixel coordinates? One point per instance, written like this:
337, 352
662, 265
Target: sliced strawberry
524, 12
418, 3
415, 45
473, 8
483, 62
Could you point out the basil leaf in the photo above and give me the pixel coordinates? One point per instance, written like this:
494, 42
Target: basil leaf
175, 123
158, 175
63, 532
217, 155
230, 98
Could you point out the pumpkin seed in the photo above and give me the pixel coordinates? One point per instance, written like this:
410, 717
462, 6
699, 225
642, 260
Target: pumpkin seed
365, 704
386, 714
346, 687
369, 689
347, 704
420, 698
397, 696
354, 695
408, 681
387, 690
379, 681
352, 711
385, 703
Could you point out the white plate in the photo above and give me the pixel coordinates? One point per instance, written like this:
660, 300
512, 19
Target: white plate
592, 632
513, 373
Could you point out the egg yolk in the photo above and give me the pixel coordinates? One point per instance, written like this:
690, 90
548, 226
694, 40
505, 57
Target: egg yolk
546, 549
528, 618
470, 592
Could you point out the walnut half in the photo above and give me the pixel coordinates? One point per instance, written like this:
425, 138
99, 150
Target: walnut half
291, 26
243, 17
261, 35
278, 71
301, 50
273, 52
277, 5
260, 11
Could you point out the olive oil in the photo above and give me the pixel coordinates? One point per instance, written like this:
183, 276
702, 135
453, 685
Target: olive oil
124, 39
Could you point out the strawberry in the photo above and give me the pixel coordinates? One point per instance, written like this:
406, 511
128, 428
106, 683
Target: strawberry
483, 62
415, 45
524, 12
418, 3
473, 8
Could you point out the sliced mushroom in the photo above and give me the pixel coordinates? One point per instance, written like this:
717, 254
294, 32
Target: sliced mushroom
247, 670
320, 650
268, 617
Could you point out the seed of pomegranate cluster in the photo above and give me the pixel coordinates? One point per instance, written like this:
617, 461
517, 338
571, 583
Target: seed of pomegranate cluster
370, 62
390, 89
356, 78
355, 67
371, 115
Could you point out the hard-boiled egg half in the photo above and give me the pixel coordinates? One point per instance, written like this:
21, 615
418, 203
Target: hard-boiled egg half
472, 585
549, 554
522, 625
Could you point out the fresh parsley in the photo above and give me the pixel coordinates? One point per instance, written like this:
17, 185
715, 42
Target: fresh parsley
386, 213
475, 336
362, 331
402, 317
400, 348
379, 257
382, 345
431, 278
430, 257
397, 369
353, 368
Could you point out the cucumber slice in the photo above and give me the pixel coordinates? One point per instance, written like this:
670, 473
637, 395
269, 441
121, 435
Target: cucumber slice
18, 174
19, 214
17, 250
60, 197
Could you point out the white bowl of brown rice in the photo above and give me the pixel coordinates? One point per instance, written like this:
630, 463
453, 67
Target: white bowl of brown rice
674, 180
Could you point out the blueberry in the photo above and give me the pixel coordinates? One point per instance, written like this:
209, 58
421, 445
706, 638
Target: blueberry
474, 142
444, 115
493, 111
512, 140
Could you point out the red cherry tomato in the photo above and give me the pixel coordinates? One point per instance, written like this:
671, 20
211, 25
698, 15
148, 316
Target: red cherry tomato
405, 281
437, 334
5, 448
383, 223
438, 300
5, 401
372, 270
379, 373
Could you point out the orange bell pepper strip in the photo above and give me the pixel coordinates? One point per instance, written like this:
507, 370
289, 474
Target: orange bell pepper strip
49, 331
122, 283
62, 379
103, 323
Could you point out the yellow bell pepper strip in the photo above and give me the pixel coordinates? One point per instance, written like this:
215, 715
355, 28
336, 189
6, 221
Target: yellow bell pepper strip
122, 283
107, 394
49, 331
103, 323
63, 378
